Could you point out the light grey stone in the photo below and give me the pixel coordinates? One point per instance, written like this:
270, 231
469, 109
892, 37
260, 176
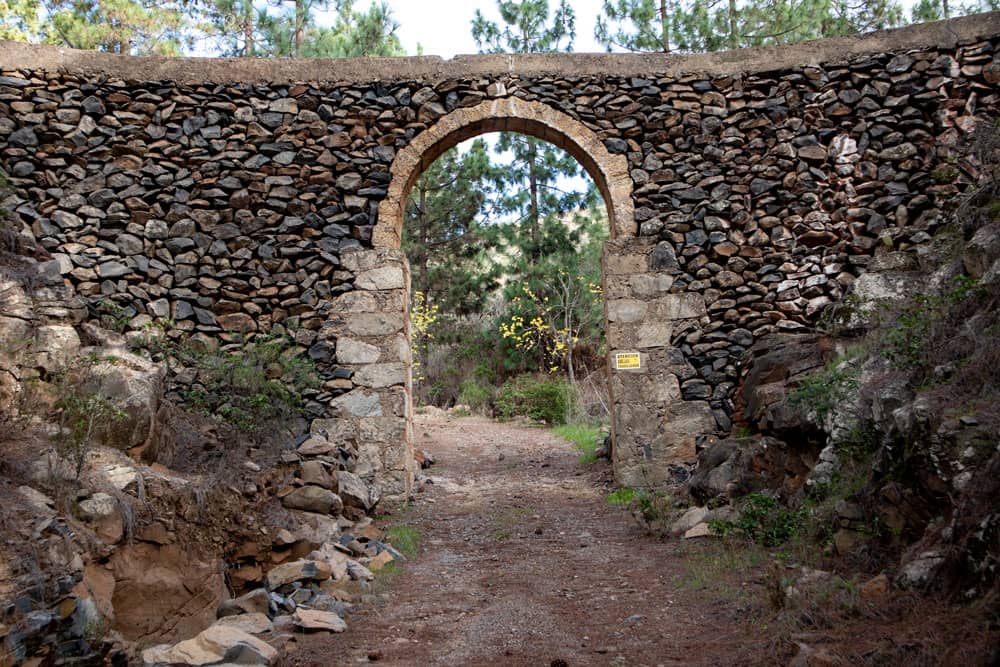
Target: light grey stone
386, 277
358, 403
353, 351
378, 376
626, 310
374, 324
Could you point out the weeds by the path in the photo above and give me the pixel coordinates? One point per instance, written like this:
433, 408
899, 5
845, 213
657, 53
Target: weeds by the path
586, 437
405, 539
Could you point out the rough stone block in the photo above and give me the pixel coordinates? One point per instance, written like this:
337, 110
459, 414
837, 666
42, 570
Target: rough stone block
625, 264
655, 388
626, 310
378, 376
656, 333
375, 324
381, 278
650, 284
353, 351
358, 403
382, 429
339, 430
678, 307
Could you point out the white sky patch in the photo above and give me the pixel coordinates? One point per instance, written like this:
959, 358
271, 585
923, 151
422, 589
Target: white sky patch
444, 27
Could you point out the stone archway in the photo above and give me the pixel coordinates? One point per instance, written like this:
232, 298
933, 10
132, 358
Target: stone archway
608, 170
509, 114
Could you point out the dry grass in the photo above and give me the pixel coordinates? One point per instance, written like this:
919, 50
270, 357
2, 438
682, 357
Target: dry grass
749, 585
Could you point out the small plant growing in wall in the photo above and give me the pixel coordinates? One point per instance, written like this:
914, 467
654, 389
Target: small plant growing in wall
763, 520
8, 229
82, 411
254, 387
112, 315
822, 392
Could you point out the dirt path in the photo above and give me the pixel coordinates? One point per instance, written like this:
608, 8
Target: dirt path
525, 563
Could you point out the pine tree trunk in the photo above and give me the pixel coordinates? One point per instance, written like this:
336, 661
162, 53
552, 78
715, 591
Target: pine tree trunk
424, 236
664, 27
300, 26
248, 41
733, 41
533, 189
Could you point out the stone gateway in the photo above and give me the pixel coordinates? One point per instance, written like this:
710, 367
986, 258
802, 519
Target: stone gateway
745, 191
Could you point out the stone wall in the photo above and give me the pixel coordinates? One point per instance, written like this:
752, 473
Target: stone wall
231, 197
654, 425
371, 332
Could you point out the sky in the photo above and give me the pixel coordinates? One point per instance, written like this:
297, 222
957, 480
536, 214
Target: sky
444, 27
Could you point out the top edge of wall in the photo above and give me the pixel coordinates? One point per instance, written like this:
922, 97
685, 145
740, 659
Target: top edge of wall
944, 34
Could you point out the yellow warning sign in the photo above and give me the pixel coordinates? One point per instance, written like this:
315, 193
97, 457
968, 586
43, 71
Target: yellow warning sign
627, 361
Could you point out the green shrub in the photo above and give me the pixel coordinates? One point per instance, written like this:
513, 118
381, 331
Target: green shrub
474, 395
911, 333
764, 520
622, 496
112, 315
81, 410
254, 387
547, 400
823, 391
8, 227
405, 539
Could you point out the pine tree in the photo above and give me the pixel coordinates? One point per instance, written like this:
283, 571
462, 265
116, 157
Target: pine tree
651, 25
548, 290
694, 26
128, 27
445, 236
532, 200
357, 34
530, 180
19, 20
526, 28
935, 10
294, 31
238, 27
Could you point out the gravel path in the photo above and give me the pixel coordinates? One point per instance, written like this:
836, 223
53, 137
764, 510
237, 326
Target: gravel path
524, 563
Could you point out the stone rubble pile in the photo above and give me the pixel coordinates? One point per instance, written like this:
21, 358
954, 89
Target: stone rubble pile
311, 594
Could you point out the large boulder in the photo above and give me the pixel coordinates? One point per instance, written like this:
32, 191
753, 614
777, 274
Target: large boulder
135, 386
311, 498
55, 348
312, 620
299, 570
102, 513
355, 492
734, 467
163, 593
778, 363
982, 251
218, 645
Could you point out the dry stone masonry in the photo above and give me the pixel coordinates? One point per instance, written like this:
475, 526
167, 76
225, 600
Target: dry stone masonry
747, 190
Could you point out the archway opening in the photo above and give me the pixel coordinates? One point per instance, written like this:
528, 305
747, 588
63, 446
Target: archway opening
504, 235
